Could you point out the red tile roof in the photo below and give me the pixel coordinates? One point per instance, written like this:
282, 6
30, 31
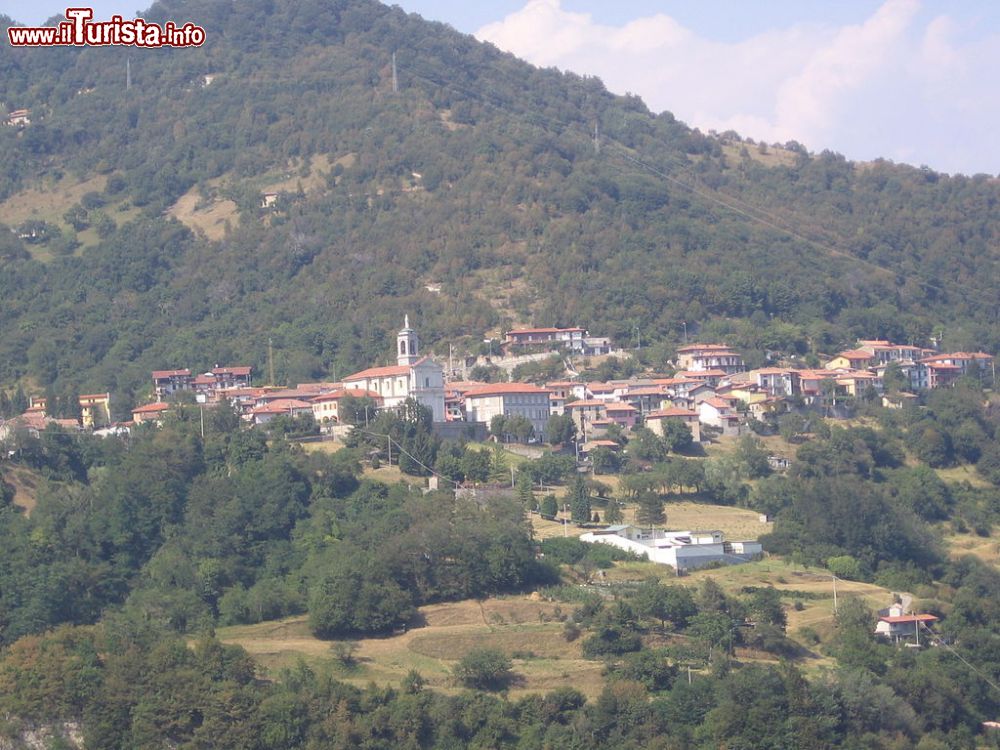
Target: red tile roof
151, 408
673, 411
282, 406
675, 381
337, 395
896, 619
855, 354
464, 385
619, 407
379, 372
718, 403
237, 370
504, 389
586, 403
601, 387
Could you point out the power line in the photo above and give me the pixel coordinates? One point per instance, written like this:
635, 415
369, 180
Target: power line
405, 452
732, 203
939, 642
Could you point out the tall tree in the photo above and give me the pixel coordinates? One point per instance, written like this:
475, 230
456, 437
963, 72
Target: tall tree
650, 511
579, 500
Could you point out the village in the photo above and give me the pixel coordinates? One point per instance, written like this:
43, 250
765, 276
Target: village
708, 388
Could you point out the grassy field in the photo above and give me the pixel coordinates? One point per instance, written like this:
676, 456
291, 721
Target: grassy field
518, 625
212, 216
957, 474
49, 200
985, 548
326, 446
816, 584
735, 523
529, 629
25, 484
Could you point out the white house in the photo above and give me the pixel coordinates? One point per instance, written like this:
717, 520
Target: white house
719, 412
681, 550
509, 399
571, 338
412, 376
702, 357
901, 628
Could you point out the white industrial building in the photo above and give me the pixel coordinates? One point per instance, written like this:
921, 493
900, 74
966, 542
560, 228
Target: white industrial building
682, 550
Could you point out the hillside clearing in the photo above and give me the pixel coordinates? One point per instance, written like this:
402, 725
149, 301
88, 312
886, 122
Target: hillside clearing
25, 483
517, 625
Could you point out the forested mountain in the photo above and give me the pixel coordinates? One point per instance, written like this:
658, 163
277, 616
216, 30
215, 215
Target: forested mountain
481, 174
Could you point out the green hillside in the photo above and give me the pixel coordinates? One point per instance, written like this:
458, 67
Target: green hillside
480, 174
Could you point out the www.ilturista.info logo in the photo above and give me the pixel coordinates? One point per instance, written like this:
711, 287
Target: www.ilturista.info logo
79, 30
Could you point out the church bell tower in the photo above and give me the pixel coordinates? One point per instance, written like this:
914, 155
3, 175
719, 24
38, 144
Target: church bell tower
407, 345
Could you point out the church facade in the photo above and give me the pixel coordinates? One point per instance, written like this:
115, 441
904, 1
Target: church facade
413, 376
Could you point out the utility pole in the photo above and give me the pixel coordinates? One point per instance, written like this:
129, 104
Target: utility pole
512, 477
201, 409
389, 439
395, 79
270, 361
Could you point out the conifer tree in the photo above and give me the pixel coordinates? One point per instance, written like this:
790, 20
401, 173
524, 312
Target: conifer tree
579, 501
650, 511
524, 493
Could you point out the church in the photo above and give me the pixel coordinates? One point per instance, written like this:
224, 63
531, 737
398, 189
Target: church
412, 376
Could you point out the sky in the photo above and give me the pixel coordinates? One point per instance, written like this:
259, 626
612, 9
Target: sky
914, 81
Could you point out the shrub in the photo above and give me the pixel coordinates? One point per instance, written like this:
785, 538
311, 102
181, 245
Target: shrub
484, 669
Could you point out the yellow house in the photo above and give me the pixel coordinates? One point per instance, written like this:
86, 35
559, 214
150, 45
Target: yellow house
856, 359
748, 394
95, 409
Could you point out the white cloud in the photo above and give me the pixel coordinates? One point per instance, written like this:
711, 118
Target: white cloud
862, 89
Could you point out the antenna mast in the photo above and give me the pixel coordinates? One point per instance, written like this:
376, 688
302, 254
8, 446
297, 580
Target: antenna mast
395, 79
270, 361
